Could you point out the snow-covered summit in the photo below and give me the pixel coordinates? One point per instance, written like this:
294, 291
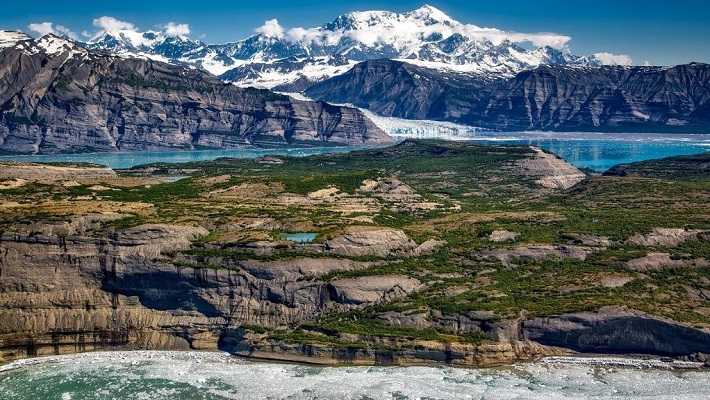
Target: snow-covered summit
53, 44
11, 38
426, 36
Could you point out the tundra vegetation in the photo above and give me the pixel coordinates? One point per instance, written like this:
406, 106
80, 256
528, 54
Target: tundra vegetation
420, 242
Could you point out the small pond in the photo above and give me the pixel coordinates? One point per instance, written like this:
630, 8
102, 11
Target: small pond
299, 237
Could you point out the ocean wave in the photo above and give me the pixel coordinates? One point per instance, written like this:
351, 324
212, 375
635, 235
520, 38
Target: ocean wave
197, 375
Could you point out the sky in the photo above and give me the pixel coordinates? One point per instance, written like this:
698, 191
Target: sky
659, 32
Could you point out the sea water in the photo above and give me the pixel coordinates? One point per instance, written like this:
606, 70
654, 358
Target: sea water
601, 151
119, 160
148, 375
595, 151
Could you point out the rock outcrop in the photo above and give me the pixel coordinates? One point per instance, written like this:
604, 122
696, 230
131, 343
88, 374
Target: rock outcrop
667, 237
66, 288
371, 241
617, 331
550, 171
661, 261
58, 97
535, 252
373, 289
549, 97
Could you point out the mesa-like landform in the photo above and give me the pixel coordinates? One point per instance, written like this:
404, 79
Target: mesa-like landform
423, 252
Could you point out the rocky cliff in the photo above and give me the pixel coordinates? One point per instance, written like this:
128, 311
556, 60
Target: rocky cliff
58, 97
82, 290
649, 99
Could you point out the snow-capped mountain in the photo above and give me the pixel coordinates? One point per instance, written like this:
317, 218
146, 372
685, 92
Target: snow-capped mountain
425, 36
11, 38
49, 44
292, 59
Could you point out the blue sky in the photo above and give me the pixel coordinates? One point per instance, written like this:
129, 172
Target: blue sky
657, 31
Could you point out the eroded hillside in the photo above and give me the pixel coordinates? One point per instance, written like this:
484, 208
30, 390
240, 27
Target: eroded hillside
420, 252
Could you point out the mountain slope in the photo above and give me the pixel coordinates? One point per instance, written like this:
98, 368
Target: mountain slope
548, 97
56, 96
293, 58
399, 89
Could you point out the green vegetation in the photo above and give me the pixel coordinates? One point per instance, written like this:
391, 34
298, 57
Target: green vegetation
477, 190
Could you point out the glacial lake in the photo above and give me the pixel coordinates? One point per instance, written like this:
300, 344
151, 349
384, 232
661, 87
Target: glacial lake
300, 237
595, 151
150, 375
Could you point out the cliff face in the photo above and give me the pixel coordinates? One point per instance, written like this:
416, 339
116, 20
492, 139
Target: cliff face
399, 89
70, 100
65, 289
650, 99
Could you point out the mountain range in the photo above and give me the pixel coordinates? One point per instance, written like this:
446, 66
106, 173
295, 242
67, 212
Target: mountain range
289, 59
131, 90
557, 98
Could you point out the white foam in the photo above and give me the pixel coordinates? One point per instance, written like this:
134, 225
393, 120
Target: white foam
220, 375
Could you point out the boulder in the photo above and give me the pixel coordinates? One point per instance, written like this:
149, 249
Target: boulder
371, 241
500, 236
666, 237
373, 289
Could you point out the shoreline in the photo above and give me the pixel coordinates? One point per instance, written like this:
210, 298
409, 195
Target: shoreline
643, 362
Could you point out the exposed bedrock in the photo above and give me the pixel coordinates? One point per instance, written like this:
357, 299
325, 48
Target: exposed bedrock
612, 331
64, 102
69, 287
64, 290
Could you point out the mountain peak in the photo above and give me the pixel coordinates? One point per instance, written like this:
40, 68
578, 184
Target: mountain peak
54, 44
431, 13
10, 38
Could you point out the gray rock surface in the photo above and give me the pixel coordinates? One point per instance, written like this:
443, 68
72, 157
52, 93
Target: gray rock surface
371, 241
617, 331
661, 261
535, 253
668, 237
373, 289
650, 99
74, 100
501, 235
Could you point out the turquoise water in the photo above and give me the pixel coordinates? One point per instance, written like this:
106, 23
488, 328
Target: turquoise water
300, 237
601, 151
131, 159
596, 151
191, 376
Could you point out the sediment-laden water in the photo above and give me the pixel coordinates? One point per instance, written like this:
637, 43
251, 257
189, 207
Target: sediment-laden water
190, 375
595, 151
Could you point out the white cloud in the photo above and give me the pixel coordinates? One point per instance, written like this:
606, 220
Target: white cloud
45, 28
614, 59
271, 28
136, 37
173, 29
41, 28
113, 25
381, 27
498, 36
